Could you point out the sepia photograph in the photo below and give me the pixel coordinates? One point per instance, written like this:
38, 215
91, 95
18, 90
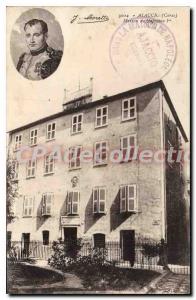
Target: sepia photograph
98, 150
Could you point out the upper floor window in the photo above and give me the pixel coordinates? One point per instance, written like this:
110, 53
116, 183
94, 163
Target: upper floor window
28, 206
47, 199
15, 169
128, 109
99, 199
31, 166
73, 203
49, 164
127, 145
100, 155
101, 116
33, 137
74, 157
51, 131
18, 141
128, 198
77, 123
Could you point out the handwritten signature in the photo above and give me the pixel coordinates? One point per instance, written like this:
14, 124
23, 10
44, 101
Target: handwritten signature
89, 19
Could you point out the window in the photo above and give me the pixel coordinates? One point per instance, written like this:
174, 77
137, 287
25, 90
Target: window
18, 141
45, 235
15, 169
99, 199
99, 240
128, 109
49, 164
47, 199
73, 203
74, 157
33, 137
100, 155
28, 206
128, 144
31, 166
51, 129
128, 198
101, 116
77, 123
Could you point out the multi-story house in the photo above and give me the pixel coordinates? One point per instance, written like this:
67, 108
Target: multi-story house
91, 188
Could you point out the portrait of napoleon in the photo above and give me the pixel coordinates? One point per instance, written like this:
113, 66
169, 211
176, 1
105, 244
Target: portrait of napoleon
41, 60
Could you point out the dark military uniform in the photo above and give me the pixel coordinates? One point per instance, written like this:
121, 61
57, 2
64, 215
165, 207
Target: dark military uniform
39, 64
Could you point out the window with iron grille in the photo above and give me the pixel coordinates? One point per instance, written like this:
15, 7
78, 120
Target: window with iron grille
74, 157
73, 203
45, 235
128, 109
128, 200
33, 137
47, 200
77, 123
31, 167
28, 206
100, 153
49, 164
99, 240
18, 141
128, 144
51, 131
101, 116
99, 199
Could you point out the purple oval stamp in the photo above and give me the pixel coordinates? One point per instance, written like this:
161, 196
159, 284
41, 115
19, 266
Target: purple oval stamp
144, 49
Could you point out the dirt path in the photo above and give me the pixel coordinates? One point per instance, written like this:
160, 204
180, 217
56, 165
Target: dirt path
173, 284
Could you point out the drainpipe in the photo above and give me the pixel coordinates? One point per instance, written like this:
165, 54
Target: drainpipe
163, 179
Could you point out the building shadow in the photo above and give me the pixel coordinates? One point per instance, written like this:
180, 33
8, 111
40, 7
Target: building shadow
40, 218
117, 218
90, 217
63, 210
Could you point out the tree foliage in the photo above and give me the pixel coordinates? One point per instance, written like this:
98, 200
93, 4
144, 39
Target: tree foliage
11, 190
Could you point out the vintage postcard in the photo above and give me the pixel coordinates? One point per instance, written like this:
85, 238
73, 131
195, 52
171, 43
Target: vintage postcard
98, 138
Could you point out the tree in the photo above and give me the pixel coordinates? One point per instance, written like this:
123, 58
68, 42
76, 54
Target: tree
11, 188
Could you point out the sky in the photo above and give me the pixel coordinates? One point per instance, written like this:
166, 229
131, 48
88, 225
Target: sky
87, 53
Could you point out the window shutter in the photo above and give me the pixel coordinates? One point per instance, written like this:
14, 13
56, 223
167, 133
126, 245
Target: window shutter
131, 198
69, 201
75, 200
95, 200
123, 198
102, 197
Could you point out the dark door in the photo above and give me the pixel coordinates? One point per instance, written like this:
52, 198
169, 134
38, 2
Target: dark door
127, 244
70, 233
25, 244
70, 238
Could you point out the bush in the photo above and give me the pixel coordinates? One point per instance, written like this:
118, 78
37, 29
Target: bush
150, 250
64, 254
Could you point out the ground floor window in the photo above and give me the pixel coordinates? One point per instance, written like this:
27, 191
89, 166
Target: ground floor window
99, 240
45, 235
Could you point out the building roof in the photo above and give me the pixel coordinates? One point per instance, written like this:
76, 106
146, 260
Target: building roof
104, 100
